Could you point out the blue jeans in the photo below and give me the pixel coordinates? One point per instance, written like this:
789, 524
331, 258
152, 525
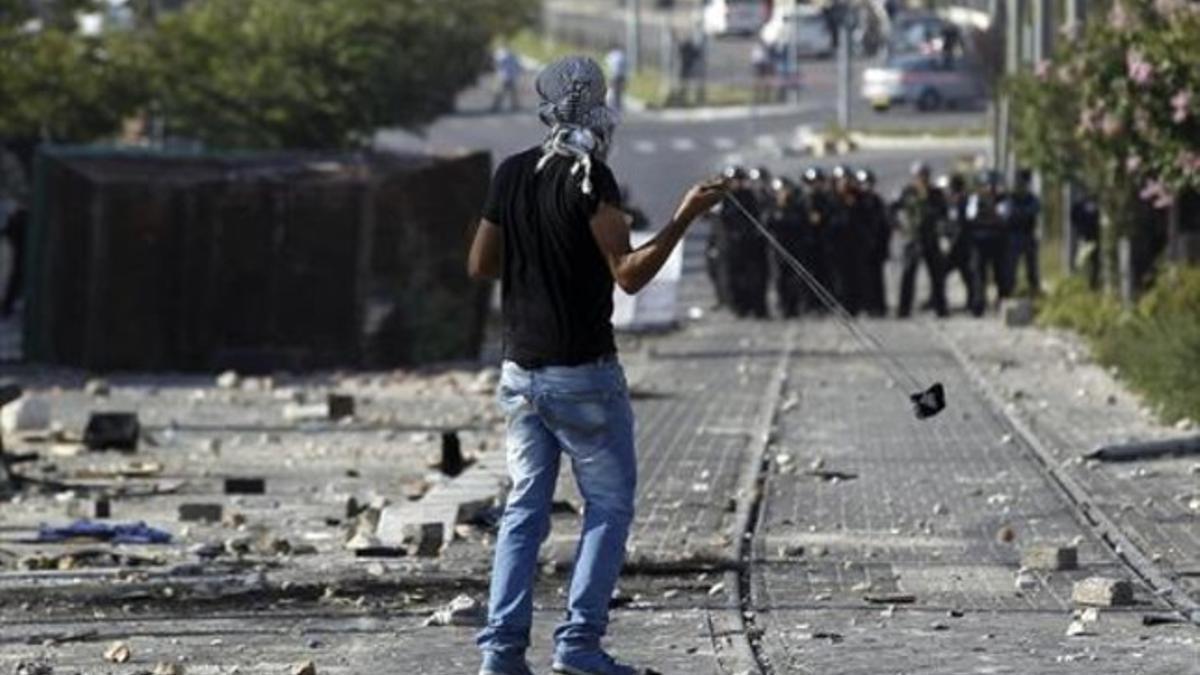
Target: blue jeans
585, 411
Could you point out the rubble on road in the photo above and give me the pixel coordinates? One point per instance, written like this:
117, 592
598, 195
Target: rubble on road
118, 652
463, 610
1050, 557
305, 668
1102, 592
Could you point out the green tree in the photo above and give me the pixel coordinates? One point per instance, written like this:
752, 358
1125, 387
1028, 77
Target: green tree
56, 83
314, 73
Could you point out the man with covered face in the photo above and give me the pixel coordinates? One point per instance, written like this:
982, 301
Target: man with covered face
554, 231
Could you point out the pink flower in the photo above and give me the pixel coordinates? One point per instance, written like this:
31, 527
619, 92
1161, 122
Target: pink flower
1132, 163
1139, 69
1042, 69
1110, 125
1181, 102
1155, 192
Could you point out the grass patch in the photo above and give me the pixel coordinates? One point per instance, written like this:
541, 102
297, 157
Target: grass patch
1155, 347
648, 85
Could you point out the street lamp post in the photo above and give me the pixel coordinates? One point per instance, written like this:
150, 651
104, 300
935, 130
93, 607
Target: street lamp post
845, 74
633, 34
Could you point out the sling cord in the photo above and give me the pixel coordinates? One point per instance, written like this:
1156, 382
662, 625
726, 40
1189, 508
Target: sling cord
890, 364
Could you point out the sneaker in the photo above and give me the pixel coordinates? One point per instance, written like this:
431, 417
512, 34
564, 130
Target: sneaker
497, 665
591, 663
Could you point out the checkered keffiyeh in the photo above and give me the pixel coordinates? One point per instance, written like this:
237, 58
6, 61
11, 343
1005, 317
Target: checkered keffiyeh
572, 92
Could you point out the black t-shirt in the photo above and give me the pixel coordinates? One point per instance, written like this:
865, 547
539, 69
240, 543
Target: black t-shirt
557, 287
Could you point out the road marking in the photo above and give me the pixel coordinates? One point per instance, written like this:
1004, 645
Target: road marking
766, 141
645, 147
724, 143
683, 144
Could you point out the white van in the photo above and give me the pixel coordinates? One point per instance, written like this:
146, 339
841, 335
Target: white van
735, 17
801, 27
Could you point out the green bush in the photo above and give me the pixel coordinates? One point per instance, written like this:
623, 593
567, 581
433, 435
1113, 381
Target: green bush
1073, 305
1155, 347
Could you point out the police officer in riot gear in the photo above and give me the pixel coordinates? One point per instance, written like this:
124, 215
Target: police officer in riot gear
716, 247
848, 240
959, 255
788, 221
1023, 210
986, 225
743, 263
920, 212
878, 231
816, 247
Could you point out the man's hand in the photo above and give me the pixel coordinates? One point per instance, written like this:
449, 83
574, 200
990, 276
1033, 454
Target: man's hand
700, 199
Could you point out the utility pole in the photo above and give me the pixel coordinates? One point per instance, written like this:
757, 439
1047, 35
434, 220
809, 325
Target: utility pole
633, 34
844, 71
1073, 17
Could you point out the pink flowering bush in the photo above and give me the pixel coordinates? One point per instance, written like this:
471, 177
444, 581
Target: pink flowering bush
1126, 122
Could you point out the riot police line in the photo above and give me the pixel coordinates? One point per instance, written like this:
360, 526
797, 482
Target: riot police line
842, 230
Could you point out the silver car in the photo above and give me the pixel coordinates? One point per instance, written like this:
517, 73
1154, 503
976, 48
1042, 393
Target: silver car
926, 81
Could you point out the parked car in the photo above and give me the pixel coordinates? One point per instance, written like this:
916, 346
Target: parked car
735, 17
925, 81
800, 26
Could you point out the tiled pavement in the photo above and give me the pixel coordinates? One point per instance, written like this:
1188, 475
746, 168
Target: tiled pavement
917, 511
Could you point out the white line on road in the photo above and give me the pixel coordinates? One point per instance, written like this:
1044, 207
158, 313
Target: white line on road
645, 147
683, 144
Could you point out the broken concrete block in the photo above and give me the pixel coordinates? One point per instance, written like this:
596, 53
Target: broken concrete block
426, 539
112, 431
98, 508
245, 486
167, 668
463, 610
1025, 580
229, 380
1102, 592
118, 652
452, 462
340, 406
25, 415
1049, 557
1018, 313
305, 668
1078, 629
201, 513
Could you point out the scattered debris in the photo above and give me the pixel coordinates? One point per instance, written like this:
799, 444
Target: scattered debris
118, 652
168, 668
1025, 580
33, 668
452, 463
890, 598
830, 475
939, 509
1160, 619
245, 486
202, 513
112, 431
305, 668
1090, 615
27, 414
1018, 312
1050, 557
1006, 534
340, 406
1102, 592
426, 538
716, 589
463, 610
791, 551
229, 380
1078, 629
97, 388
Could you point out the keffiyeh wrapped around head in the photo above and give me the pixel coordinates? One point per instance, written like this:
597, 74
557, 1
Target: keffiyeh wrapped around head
572, 92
